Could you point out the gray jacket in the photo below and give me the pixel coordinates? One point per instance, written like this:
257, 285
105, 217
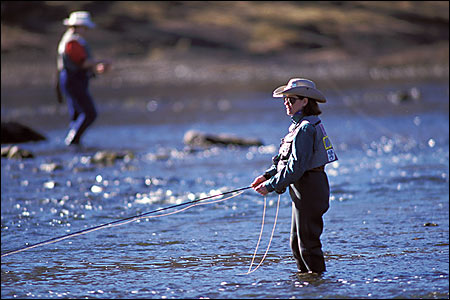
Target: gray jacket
305, 147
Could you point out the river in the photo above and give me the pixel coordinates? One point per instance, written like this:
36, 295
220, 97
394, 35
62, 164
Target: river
386, 233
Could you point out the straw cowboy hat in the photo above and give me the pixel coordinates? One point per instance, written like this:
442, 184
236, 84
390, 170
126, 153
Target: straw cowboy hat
301, 87
79, 18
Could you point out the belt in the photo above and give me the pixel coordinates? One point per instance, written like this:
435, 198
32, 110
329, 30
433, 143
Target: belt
317, 169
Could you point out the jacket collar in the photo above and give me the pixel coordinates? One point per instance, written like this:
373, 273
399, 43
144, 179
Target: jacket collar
298, 117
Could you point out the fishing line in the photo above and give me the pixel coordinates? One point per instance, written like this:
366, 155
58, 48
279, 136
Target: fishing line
174, 212
260, 234
129, 220
347, 101
192, 205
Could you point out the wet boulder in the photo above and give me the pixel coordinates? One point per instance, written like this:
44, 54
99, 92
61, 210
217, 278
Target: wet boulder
196, 138
13, 133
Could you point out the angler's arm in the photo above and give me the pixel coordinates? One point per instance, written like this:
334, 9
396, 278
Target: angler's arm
79, 56
302, 150
257, 183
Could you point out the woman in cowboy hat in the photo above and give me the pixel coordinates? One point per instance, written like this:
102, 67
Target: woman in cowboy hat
299, 165
75, 67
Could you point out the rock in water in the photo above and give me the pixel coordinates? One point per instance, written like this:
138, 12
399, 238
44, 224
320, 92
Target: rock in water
13, 132
13, 151
196, 138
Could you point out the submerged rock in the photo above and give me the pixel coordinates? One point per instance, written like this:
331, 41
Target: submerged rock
14, 151
196, 138
430, 224
109, 158
50, 167
405, 96
13, 132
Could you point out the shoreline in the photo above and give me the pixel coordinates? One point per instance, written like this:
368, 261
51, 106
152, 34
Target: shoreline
161, 49
23, 84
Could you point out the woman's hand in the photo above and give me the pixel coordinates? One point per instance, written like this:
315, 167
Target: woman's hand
258, 180
261, 189
258, 185
102, 67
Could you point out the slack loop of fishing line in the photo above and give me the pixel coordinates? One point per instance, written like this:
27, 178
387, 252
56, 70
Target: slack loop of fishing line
260, 234
132, 219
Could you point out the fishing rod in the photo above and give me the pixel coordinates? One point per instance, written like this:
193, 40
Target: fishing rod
115, 223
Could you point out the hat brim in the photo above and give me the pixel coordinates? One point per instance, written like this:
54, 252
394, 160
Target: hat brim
88, 24
304, 91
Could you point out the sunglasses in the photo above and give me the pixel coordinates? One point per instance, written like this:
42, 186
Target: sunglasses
291, 99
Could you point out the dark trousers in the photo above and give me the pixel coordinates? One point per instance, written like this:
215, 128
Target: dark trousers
310, 196
80, 104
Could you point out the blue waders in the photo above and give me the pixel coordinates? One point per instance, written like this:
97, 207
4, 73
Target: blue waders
81, 108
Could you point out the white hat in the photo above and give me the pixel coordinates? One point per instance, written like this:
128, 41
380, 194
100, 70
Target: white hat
301, 87
79, 18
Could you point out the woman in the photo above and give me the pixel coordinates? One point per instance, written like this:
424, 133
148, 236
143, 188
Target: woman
300, 165
75, 67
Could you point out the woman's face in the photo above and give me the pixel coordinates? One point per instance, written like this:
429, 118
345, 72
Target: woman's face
80, 29
294, 104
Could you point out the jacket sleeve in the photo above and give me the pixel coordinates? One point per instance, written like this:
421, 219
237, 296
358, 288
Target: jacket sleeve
302, 150
270, 172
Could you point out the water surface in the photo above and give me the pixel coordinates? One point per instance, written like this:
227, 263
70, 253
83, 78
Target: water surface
386, 232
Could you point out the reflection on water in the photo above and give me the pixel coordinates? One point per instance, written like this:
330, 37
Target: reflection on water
386, 233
